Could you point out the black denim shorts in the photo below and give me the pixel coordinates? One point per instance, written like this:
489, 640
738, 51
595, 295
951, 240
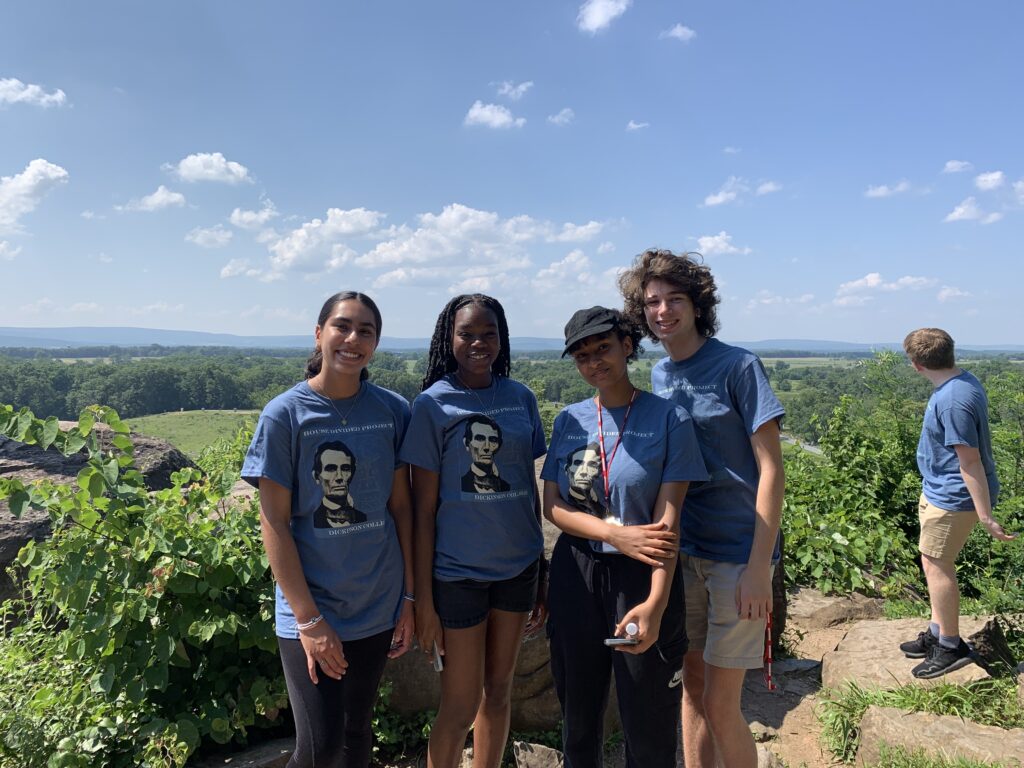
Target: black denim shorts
466, 602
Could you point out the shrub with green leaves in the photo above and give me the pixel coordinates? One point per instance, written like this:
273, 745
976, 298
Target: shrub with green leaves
146, 624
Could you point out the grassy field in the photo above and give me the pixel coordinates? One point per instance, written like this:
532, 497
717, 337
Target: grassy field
191, 431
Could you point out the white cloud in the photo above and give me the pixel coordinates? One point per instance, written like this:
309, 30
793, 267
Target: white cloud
969, 210
564, 117
88, 215
13, 91
562, 275
633, 125
767, 187
989, 181
8, 251
720, 244
950, 293
307, 247
21, 193
512, 91
104, 258
678, 32
605, 247
883, 190
1018, 188
253, 219
239, 268
162, 198
492, 116
211, 237
957, 166
728, 193
855, 293
765, 298
84, 307
576, 233
595, 15
731, 150
210, 166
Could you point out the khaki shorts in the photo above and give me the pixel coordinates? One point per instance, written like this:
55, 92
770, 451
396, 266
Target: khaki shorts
712, 622
943, 534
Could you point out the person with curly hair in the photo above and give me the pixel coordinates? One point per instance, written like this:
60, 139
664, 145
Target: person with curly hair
472, 442
614, 481
729, 531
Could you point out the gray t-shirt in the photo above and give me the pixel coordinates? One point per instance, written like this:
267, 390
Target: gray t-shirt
658, 446
726, 391
340, 476
956, 414
482, 443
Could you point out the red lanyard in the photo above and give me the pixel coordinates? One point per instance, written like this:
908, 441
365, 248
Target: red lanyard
607, 462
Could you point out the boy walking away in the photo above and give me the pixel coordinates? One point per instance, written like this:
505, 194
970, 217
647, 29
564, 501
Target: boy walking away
960, 488
729, 528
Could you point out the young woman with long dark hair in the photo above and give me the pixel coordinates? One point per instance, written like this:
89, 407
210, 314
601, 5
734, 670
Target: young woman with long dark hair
614, 480
336, 516
472, 442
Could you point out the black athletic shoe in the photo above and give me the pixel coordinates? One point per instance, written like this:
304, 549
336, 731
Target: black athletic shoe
942, 660
918, 648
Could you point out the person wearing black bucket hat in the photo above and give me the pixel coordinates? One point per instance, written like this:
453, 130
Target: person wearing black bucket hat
615, 476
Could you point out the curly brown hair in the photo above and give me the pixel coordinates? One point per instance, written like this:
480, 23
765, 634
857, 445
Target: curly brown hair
682, 271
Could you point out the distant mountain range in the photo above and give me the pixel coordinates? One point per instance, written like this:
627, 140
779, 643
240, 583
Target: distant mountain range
71, 337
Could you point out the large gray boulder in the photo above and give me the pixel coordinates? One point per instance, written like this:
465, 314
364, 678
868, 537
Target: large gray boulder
939, 736
155, 459
814, 610
869, 655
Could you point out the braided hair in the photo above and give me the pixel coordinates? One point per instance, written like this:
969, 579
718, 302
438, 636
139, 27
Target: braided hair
441, 358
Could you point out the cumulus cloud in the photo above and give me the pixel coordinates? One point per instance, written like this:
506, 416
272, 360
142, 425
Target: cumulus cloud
605, 247
562, 275
767, 187
720, 244
211, 237
253, 219
576, 233
969, 210
884, 190
595, 15
8, 251
162, 198
989, 181
857, 292
633, 125
13, 91
678, 32
564, 117
513, 91
1018, 189
957, 166
310, 247
21, 193
239, 268
950, 293
210, 166
492, 116
728, 192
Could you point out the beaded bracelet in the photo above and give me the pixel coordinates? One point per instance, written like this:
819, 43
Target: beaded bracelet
311, 623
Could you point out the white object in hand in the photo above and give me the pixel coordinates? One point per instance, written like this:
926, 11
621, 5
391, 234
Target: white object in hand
632, 630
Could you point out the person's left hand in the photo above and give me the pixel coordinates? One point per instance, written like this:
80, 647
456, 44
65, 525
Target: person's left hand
754, 593
649, 624
539, 614
405, 631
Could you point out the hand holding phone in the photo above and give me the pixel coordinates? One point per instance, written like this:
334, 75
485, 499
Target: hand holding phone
611, 642
438, 661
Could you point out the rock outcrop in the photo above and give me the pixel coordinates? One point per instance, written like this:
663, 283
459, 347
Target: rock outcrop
938, 736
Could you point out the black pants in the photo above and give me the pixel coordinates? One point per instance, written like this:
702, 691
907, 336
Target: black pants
332, 718
589, 593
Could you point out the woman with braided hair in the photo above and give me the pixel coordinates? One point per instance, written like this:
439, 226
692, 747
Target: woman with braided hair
472, 441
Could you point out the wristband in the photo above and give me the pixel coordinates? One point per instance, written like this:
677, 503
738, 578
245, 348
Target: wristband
311, 623
409, 596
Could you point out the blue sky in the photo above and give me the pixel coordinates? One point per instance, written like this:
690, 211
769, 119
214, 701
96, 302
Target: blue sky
850, 170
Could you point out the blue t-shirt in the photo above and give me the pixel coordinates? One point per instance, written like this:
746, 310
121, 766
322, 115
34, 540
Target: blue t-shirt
727, 393
658, 446
957, 414
482, 443
340, 476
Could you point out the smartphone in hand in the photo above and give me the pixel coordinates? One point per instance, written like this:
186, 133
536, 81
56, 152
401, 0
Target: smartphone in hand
438, 661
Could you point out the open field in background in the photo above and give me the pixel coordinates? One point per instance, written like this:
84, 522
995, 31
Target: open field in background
191, 431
